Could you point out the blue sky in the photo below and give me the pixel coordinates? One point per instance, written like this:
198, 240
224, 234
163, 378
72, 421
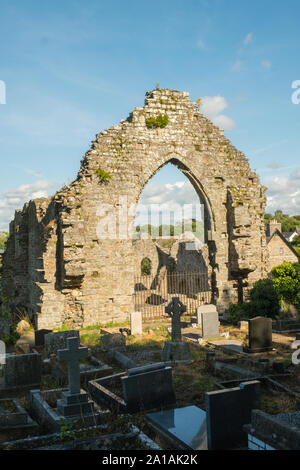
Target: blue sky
73, 68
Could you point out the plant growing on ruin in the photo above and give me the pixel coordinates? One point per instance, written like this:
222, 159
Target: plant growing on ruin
158, 121
103, 175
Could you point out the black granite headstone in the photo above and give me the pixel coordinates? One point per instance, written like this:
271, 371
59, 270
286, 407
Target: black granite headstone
226, 413
39, 336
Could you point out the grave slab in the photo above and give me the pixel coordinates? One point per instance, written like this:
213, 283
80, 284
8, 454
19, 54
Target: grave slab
43, 406
183, 428
15, 422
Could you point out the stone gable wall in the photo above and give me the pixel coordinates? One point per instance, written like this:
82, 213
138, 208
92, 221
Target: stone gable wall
59, 268
276, 257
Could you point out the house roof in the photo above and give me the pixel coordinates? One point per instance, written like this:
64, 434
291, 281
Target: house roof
277, 232
287, 234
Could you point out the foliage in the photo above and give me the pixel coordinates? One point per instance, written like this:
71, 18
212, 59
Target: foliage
103, 175
12, 337
288, 223
66, 430
198, 103
264, 302
145, 267
3, 239
159, 121
286, 279
296, 243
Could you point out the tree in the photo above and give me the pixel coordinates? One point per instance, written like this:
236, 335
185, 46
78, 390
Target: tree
145, 267
286, 280
3, 240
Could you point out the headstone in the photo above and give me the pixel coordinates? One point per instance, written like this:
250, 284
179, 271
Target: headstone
4, 327
206, 309
136, 325
22, 370
210, 324
243, 325
148, 387
260, 335
184, 428
112, 340
58, 340
278, 367
73, 402
39, 336
176, 349
262, 365
226, 413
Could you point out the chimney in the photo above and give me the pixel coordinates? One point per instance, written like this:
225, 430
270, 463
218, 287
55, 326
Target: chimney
272, 226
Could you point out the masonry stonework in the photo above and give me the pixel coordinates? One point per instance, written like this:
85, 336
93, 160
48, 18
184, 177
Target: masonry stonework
59, 269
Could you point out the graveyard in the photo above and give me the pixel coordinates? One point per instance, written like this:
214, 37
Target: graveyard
123, 387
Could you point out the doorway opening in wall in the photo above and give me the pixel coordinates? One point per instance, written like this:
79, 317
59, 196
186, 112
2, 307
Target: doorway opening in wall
170, 242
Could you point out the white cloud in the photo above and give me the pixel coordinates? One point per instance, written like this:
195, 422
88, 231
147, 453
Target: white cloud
15, 199
212, 106
248, 39
169, 197
266, 64
284, 193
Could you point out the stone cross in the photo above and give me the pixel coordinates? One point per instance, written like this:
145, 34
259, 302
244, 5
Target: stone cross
175, 309
72, 355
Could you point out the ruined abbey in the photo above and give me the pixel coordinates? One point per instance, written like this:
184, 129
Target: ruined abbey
60, 268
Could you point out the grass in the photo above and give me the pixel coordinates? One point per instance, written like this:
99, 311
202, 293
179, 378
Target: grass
90, 339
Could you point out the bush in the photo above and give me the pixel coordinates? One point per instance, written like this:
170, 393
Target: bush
263, 302
286, 280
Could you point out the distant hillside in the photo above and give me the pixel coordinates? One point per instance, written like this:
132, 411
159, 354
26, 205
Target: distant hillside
288, 222
176, 230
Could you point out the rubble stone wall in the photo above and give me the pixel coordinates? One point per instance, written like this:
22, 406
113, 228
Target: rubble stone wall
58, 267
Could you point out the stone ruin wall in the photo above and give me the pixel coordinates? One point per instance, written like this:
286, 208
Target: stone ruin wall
58, 268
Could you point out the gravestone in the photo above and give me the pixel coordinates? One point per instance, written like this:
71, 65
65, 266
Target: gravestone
112, 340
22, 370
210, 324
260, 335
39, 337
226, 413
136, 324
176, 349
148, 387
73, 402
207, 308
4, 327
58, 340
183, 428
243, 325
